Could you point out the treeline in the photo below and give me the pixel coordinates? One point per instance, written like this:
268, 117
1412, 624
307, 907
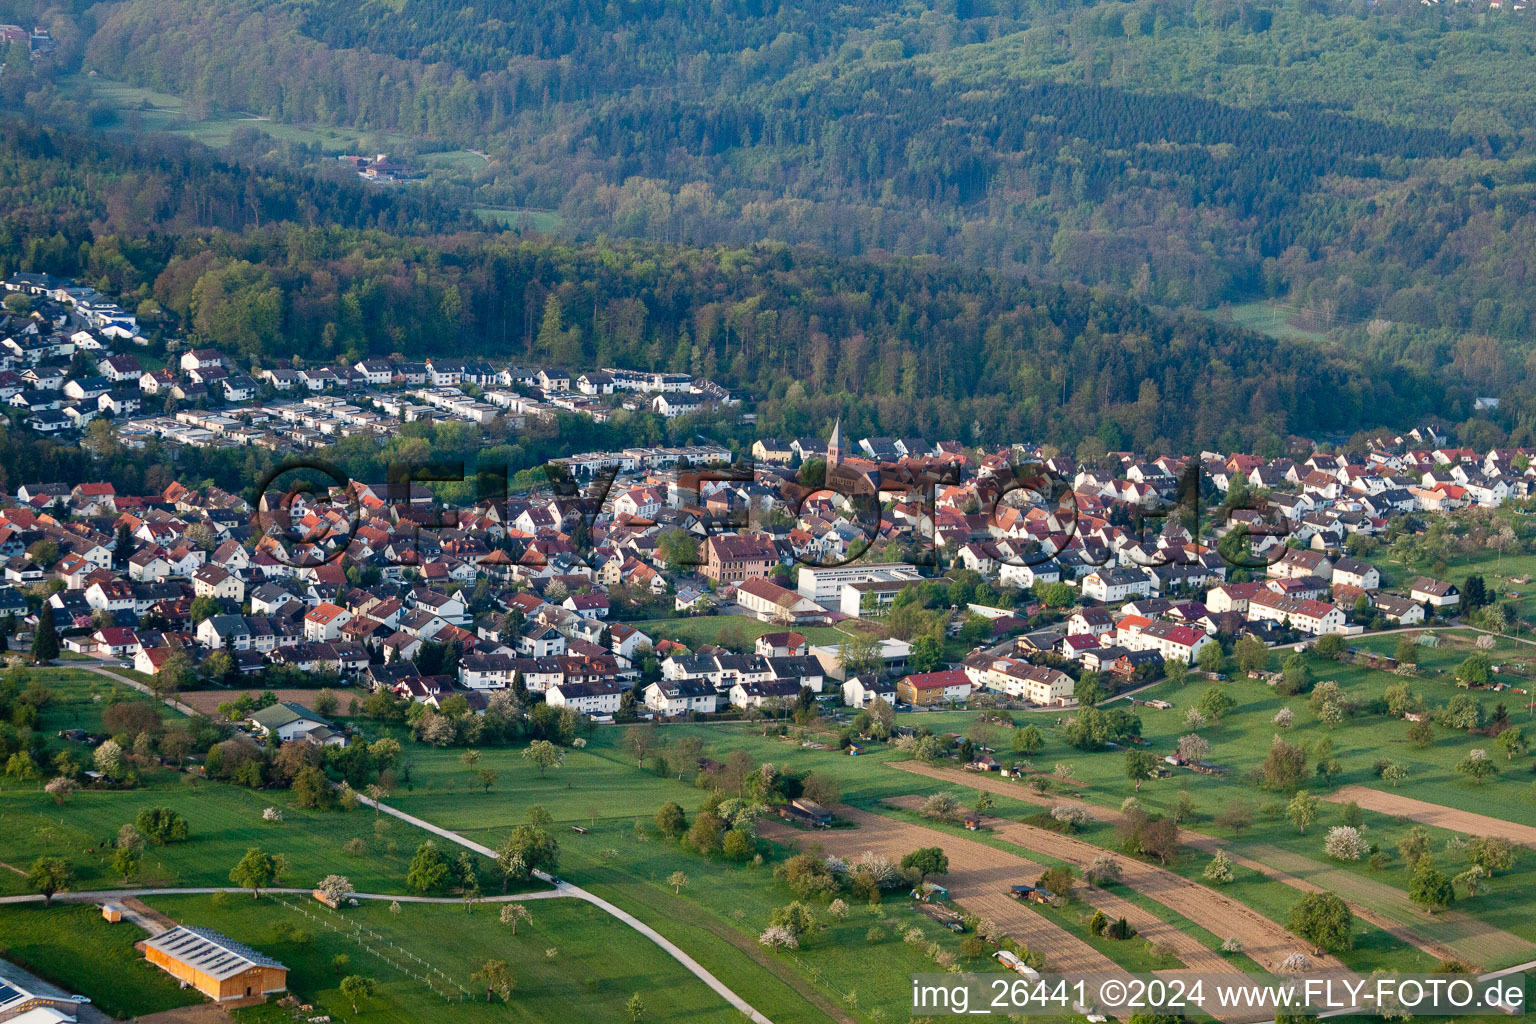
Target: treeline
895, 346
865, 129
908, 346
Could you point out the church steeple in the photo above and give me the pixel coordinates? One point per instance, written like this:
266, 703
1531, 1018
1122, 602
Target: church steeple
835, 444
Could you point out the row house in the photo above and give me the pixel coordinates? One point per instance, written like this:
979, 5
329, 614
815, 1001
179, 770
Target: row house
1315, 617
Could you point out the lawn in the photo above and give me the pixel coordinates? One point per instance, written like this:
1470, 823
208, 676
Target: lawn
73, 947
224, 822
1275, 320
571, 961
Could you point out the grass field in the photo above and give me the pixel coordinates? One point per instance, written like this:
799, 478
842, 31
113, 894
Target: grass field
79, 698
73, 947
598, 963
224, 822
545, 222
140, 109
1275, 321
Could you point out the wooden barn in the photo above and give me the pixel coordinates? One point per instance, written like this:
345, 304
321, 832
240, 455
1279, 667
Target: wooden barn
216, 965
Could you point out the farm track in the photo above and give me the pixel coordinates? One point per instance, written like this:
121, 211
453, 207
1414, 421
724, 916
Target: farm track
1450, 935
1437, 815
978, 879
1148, 926
1262, 939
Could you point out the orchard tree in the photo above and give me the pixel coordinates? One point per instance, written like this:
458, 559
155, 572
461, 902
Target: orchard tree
544, 755
429, 870
256, 871
1477, 766
48, 875
355, 988
1139, 766
1302, 810
926, 860
1430, 888
1324, 920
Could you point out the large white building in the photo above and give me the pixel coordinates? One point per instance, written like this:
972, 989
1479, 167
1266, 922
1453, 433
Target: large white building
824, 584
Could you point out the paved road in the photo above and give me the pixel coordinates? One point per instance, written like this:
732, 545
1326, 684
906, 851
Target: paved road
567, 889
115, 895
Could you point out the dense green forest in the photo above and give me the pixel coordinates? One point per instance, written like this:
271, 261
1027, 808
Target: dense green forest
1358, 161
882, 211
904, 345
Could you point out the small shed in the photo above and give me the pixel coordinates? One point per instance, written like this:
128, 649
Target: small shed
111, 912
1029, 894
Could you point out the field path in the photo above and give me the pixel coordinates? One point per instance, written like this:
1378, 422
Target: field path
1263, 940
1462, 936
566, 888
1438, 815
170, 702
978, 880
1195, 954
1449, 935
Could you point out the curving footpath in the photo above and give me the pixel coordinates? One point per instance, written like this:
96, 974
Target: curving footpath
567, 889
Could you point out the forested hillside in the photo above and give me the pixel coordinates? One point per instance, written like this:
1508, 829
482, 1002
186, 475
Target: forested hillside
1361, 162
277, 267
882, 211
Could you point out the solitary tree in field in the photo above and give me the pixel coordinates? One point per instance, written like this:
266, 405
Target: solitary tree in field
635, 1008
1139, 766
1324, 920
125, 861
639, 742
544, 755
671, 821
497, 978
355, 987
1512, 741
429, 871
512, 913
256, 871
1430, 888
1477, 766
1302, 810
677, 880
926, 860
48, 875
